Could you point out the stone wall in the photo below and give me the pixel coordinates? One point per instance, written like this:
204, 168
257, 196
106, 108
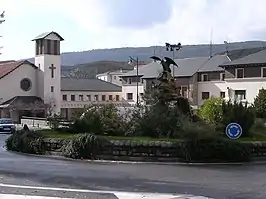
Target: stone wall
159, 151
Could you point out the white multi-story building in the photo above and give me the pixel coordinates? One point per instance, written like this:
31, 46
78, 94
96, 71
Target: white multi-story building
112, 76
236, 75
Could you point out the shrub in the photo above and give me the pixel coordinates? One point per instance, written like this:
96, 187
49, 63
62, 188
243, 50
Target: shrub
211, 111
183, 106
260, 104
238, 113
85, 146
54, 121
214, 150
159, 121
101, 120
26, 141
196, 130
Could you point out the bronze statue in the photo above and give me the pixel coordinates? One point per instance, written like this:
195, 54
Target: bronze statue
165, 63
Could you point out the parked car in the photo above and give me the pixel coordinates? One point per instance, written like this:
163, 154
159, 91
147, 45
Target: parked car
7, 125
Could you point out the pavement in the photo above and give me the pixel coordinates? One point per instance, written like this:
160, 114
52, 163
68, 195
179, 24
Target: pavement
22, 176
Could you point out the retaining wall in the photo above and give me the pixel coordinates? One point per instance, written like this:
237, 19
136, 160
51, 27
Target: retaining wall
159, 151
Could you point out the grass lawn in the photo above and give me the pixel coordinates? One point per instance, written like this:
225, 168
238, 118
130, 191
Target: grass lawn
255, 137
55, 134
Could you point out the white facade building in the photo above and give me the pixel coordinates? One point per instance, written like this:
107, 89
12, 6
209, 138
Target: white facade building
28, 89
112, 76
238, 76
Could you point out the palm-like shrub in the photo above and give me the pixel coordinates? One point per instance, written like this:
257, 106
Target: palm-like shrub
85, 146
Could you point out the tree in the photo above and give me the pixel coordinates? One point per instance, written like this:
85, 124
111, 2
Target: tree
211, 111
260, 104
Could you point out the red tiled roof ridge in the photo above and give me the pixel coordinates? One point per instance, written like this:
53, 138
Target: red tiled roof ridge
7, 61
8, 66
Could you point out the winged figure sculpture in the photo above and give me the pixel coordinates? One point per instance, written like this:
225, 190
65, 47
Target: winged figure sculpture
166, 62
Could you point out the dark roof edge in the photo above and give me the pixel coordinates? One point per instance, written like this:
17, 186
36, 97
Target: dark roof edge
92, 90
246, 64
46, 35
19, 64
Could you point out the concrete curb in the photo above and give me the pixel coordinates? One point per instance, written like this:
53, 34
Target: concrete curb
131, 162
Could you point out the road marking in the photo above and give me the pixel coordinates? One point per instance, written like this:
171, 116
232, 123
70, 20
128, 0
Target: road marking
119, 194
12, 196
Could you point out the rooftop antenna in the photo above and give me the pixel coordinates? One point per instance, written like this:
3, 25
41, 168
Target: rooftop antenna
226, 46
154, 50
211, 44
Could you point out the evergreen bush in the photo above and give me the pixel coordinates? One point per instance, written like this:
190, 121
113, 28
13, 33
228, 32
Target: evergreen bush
26, 141
213, 149
260, 104
238, 113
85, 146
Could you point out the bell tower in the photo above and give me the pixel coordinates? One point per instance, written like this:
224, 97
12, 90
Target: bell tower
48, 61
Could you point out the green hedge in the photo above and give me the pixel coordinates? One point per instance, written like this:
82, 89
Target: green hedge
26, 141
214, 150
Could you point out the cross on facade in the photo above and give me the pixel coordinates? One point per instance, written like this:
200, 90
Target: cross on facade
52, 70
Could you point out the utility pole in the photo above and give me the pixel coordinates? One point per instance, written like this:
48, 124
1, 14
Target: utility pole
136, 60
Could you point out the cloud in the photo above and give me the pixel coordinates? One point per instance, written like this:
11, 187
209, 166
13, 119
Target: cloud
137, 14
123, 23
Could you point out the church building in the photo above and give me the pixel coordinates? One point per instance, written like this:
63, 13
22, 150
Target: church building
28, 89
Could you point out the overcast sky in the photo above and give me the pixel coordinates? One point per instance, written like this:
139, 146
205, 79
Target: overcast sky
92, 24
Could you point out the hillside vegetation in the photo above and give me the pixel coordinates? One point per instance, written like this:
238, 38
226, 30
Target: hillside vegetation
89, 63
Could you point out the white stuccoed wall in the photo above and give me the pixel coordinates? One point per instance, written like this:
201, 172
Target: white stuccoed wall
251, 85
214, 87
44, 77
12, 82
132, 89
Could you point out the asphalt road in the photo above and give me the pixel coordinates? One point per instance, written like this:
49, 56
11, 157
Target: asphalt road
219, 182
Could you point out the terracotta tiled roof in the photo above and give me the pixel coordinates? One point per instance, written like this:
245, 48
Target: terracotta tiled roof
7, 67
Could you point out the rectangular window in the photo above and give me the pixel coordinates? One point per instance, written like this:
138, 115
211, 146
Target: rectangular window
129, 80
239, 72
263, 72
41, 47
96, 98
129, 96
204, 78
222, 94
64, 97
222, 76
117, 97
88, 98
49, 46
81, 98
240, 95
55, 47
103, 97
110, 98
37, 47
184, 91
73, 98
205, 95
52, 89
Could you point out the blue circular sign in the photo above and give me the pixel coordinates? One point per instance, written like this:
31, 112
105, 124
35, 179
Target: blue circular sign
233, 131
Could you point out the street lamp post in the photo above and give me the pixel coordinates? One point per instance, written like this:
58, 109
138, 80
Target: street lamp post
173, 47
136, 60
